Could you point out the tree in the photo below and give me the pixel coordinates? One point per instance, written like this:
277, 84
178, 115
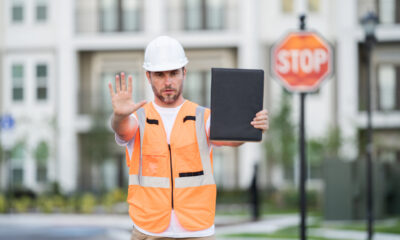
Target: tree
281, 138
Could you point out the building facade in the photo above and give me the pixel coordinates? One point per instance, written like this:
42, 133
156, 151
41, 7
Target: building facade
58, 56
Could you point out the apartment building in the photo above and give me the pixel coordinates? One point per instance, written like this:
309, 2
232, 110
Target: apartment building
58, 56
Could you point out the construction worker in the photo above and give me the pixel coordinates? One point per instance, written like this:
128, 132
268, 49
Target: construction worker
171, 191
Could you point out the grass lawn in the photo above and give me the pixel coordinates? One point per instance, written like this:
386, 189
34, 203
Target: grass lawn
286, 233
382, 226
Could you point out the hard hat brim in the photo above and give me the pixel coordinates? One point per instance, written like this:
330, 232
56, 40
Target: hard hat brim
164, 67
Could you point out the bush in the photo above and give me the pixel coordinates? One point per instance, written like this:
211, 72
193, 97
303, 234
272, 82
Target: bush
45, 204
291, 198
3, 204
87, 203
71, 204
22, 204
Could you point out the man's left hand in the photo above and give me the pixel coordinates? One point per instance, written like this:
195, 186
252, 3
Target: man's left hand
260, 121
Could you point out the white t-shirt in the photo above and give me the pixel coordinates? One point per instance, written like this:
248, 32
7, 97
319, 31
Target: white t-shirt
175, 229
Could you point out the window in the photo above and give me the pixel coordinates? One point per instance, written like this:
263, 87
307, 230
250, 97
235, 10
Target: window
41, 82
41, 157
287, 6
17, 11
41, 10
388, 87
204, 14
389, 11
17, 82
17, 163
130, 15
197, 87
120, 15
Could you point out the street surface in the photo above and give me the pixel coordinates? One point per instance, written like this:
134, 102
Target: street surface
118, 227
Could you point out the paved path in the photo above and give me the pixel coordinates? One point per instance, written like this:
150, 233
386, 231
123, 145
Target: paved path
118, 227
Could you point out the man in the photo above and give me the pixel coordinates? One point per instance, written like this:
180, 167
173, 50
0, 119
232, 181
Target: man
171, 185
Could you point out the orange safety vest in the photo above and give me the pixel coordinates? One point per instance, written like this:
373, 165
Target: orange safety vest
175, 176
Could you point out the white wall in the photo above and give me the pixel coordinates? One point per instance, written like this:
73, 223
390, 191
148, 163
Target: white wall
30, 34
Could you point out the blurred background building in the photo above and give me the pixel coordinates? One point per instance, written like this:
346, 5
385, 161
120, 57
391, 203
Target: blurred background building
57, 56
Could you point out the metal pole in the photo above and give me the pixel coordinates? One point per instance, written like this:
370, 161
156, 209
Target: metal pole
303, 165
370, 205
303, 171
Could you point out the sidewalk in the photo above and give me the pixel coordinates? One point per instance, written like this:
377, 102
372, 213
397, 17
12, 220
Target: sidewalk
118, 227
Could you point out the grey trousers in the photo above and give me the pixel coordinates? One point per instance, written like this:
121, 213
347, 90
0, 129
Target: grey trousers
136, 235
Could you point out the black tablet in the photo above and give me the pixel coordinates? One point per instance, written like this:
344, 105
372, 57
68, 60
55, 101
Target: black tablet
236, 97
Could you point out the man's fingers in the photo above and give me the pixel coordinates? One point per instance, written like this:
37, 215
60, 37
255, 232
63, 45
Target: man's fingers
110, 87
117, 84
123, 82
262, 112
260, 118
130, 84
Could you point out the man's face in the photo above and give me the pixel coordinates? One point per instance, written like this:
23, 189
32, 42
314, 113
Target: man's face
167, 85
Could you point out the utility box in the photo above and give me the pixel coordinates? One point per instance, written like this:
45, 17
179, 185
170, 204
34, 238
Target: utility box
345, 193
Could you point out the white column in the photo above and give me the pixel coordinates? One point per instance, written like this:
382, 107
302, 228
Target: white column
248, 57
67, 156
347, 75
301, 6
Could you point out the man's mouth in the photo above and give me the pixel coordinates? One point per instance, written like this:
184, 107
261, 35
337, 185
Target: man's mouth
168, 91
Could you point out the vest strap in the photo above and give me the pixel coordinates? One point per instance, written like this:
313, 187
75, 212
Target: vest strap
145, 181
142, 122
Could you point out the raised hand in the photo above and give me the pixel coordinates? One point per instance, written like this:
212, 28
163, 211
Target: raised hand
122, 102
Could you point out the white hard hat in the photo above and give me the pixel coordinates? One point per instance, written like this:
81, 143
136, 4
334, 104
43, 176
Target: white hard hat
163, 54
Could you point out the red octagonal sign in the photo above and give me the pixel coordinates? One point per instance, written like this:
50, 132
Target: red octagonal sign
301, 61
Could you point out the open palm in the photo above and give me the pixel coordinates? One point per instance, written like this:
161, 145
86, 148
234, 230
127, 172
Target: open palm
122, 102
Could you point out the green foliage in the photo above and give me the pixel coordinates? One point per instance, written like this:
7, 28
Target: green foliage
51, 203
21, 205
315, 151
113, 197
45, 204
1, 154
87, 203
42, 153
3, 204
18, 151
325, 147
97, 141
289, 199
281, 138
71, 204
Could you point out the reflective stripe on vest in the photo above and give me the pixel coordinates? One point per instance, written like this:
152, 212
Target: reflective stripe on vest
180, 182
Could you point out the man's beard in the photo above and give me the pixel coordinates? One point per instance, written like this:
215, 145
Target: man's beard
168, 98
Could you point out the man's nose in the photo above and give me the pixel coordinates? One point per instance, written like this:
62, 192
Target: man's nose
168, 79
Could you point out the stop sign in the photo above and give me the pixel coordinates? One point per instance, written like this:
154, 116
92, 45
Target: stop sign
301, 61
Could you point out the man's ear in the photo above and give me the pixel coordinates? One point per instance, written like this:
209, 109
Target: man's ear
148, 76
184, 71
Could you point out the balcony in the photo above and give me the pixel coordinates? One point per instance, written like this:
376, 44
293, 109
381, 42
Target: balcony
109, 16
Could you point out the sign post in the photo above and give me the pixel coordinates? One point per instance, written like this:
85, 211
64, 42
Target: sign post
301, 61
